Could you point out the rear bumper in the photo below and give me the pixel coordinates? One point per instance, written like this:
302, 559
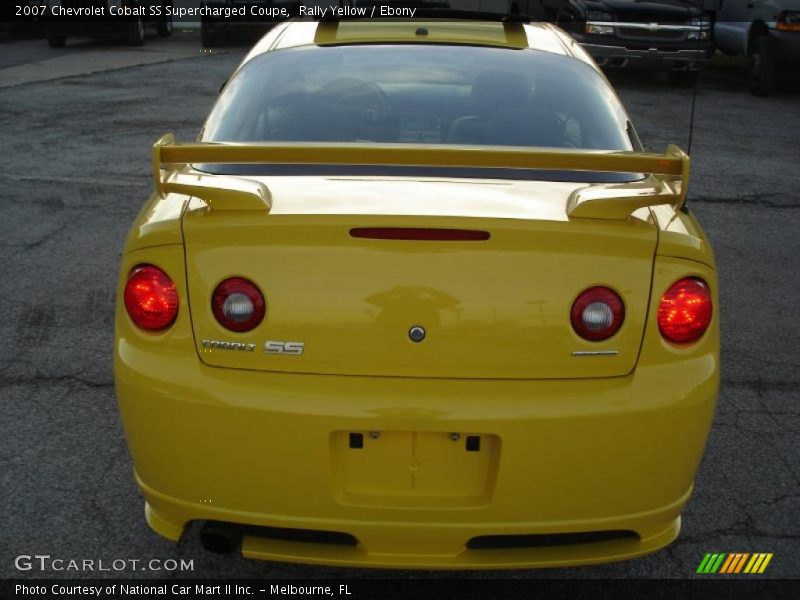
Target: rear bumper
616, 454
429, 545
653, 58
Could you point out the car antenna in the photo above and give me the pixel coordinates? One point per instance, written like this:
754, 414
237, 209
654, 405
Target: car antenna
691, 118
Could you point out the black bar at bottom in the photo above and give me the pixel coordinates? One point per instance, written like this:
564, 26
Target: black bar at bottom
431, 585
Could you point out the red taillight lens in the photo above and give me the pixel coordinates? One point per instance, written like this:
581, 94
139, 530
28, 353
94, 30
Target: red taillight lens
151, 298
685, 311
597, 314
238, 304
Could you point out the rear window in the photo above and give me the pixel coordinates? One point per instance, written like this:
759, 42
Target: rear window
422, 94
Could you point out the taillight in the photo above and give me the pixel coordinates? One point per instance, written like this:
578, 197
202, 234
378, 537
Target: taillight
685, 310
151, 298
597, 314
788, 20
238, 304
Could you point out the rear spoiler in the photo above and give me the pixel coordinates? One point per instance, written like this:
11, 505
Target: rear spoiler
667, 183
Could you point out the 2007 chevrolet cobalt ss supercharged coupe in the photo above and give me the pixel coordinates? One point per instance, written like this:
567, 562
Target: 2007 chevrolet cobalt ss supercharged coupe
417, 297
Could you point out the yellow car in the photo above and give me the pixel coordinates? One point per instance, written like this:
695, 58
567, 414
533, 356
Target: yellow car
417, 297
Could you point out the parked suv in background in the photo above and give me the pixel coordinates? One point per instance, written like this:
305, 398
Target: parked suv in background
665, 35
149, 13
767, 31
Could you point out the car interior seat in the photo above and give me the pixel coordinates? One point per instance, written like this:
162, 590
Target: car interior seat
503, 113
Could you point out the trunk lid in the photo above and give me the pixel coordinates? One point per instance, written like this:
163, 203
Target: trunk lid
496, 308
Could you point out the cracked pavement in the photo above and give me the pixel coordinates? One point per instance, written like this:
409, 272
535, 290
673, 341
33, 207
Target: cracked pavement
66, 475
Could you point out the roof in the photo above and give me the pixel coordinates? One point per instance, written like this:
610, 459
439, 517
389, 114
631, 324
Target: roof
512, 35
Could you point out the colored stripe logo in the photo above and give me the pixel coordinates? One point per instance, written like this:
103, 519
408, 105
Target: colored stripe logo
736, 562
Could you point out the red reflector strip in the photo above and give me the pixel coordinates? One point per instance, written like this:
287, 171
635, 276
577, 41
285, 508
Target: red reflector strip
420, 233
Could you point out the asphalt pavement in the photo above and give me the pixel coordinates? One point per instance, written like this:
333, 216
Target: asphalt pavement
76, 126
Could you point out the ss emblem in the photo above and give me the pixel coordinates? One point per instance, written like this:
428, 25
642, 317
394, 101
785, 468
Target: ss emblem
273, 347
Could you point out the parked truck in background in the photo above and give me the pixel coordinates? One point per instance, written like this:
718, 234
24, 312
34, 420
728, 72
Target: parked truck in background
766, 31
673, 36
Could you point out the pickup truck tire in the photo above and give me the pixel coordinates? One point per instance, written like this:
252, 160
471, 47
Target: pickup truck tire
683, 78
762, 67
